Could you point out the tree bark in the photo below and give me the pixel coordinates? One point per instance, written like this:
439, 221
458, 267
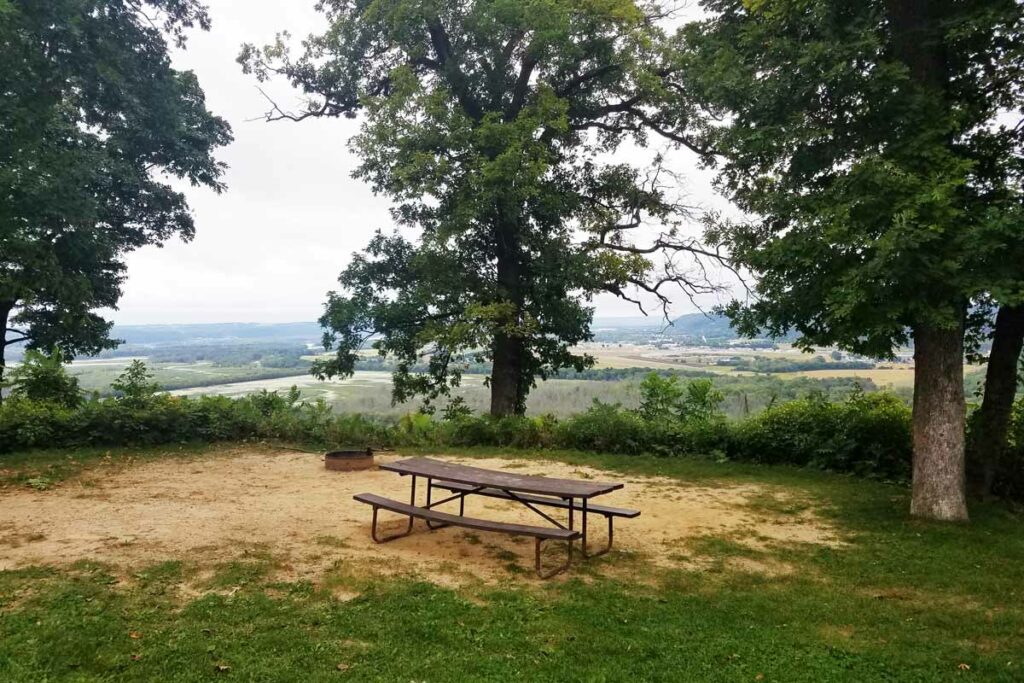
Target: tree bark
989, 433
5, 313
507, 396
938, 490
508, 382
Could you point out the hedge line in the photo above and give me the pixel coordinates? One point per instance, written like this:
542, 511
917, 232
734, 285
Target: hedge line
868, 434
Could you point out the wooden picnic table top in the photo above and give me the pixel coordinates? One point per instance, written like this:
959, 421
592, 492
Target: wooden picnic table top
507, 481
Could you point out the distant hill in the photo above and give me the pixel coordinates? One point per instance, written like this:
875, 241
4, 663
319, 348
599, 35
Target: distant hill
690, 325
696, 325
711, 326
218, 333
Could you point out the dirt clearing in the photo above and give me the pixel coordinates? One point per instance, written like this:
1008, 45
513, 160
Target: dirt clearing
216, 508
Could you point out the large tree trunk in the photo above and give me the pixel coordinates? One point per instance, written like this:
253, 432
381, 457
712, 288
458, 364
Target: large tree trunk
5, 313
508, 381
938, 490
916, 39
989, 432
507, 395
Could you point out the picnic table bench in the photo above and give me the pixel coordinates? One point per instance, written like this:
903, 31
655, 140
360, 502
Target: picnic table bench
533, 492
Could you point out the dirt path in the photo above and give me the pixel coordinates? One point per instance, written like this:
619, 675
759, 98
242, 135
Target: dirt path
213, 508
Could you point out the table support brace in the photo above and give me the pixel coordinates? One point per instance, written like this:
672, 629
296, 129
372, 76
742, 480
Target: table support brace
408, 529
556, 570
460, 496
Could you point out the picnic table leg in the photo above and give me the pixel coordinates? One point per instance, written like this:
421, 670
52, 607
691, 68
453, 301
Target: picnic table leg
435, 525
408, 529
583, 544
556, 570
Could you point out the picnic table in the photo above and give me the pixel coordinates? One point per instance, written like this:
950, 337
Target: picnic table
533, 492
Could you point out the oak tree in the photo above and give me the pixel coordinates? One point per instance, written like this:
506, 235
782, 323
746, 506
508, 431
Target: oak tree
498, 128
868, 143
93, 123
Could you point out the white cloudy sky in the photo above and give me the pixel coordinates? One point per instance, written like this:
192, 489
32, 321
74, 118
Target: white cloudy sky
271, 247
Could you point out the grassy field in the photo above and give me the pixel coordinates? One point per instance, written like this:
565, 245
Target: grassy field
96, 375
369, 392
897, 600
894, 377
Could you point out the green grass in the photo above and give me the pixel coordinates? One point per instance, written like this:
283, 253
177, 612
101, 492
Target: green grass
900, 600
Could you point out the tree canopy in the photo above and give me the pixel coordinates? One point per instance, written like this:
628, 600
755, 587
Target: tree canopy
94, 122
879, 201
876, 148
499, 128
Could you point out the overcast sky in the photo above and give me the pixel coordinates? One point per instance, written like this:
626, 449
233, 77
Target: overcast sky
269, 248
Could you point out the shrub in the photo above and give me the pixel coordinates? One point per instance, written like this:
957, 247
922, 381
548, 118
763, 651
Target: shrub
135, 385
605, 427
506, 432
1010, 482
869, 434
42, 377
26, 424
664, 398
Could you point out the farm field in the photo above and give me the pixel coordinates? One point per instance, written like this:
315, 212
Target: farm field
254, 563
369, 392
96, 375
894, 377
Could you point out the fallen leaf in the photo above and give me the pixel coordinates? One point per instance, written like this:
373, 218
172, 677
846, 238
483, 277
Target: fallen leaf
342, 666
134, 635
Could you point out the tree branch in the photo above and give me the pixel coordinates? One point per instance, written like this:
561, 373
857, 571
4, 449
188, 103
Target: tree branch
573, 84
278, 114
522, 86
457, 80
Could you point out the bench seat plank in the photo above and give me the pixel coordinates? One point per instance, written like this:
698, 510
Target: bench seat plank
456, 487
552, 533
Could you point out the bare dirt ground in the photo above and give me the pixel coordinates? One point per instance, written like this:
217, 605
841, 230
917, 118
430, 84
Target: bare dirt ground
216, 508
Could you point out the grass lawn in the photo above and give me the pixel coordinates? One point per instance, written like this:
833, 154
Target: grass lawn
899, 600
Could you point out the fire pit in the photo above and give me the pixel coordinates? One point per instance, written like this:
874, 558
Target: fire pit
347, 461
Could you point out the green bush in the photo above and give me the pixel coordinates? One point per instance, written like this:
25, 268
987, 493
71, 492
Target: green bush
868, 434
43, 378
1010, 483
26, 424
664, 398
505, 432
605, 427
135, 385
